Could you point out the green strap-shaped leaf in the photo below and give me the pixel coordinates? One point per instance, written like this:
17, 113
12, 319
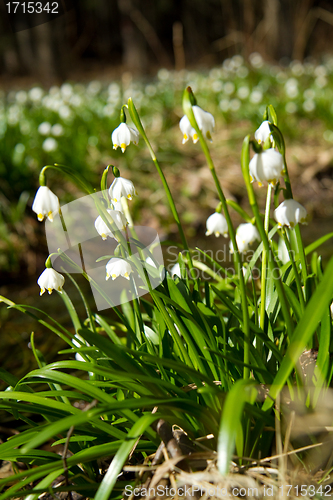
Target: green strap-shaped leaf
243, 391
313, 314
121, 456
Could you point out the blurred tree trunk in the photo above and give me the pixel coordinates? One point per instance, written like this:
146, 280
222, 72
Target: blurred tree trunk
45, 58
25, 51
303, 18
271, 27
134, 51
249, 22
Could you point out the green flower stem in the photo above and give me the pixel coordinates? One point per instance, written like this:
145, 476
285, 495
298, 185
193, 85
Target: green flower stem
85, 186
297, 228
137, 310
127, 213
77, 179
255, 209
241, 212
64, 227
136, 120
289, 194
302, 254
104, 185
122, 317
236, 254
264, 260
292, 260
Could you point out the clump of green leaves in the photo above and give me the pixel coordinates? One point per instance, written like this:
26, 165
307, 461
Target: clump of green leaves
211, 357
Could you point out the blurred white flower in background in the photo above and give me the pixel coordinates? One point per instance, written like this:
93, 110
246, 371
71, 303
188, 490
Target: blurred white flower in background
21, 96
256, 96
44, 128
291, 88
256, 60
243, 92
57, 130
36, 94
49, 144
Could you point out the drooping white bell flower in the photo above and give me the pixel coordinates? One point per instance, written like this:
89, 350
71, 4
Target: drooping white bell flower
123, 135
102, 228
118, 267
205, 121
283, 253
267, 166
289, 213
217, 224
187, 130
50, 280
246, 234
175, 270
45, 204
121, 187
263, 132
117, 205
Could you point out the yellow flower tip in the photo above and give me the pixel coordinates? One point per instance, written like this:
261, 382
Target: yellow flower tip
40, 217
107, 276
129, 196
113, 276
225, 234
208, 233
123, 147
283, 171
103, 236
195, 138
115, 200
42, 290
217, 234
49, 290
185, 138
115, 146
260, 184
292, 224
50, 216
126, 275
279, 224
59, 289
